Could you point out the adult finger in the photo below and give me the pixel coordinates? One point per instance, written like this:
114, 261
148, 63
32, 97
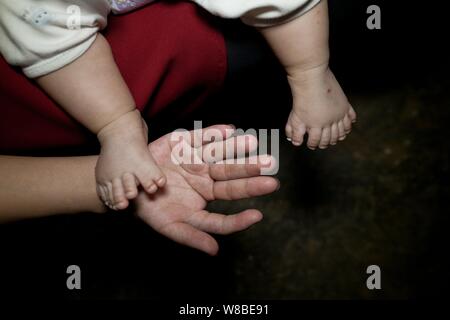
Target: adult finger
249, 167
199, 137
244, 188
230, 148
224, 224
188, 235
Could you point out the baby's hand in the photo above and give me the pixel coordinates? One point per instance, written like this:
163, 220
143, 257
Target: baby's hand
320, 109
126, 162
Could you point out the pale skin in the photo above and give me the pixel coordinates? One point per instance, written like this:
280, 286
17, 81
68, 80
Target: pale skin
320, 108
93, 91
38, 187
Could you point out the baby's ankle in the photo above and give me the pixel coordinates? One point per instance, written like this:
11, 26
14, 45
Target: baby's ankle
304, 74
126, 125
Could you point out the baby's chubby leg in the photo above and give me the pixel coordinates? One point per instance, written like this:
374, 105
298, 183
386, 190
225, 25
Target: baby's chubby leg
125, 161
320, 107
93, 91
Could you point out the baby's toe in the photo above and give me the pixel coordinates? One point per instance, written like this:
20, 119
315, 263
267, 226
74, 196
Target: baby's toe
130, 186
352, 114
101, 193
341, 130
102, 190
347, 124
158, 177
148, 185
109, 195
326, 138
108, 202
160, 181
298, 134
334, 134
120, 201
288, 131
314, 135
152, 189
147, 182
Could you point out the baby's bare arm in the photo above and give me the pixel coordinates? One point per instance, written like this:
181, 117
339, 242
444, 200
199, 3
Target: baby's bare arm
91, 88
302, 44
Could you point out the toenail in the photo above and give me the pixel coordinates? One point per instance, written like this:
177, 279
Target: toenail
289, 139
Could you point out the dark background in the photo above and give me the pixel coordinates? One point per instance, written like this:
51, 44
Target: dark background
379, 198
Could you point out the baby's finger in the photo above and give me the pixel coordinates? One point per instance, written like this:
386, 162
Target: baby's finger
314, 135
326, 138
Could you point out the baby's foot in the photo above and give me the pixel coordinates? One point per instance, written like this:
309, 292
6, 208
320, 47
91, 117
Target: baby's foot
125, 162
320, 109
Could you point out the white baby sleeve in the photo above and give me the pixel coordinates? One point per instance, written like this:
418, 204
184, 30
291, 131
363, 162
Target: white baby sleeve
259, 13
42, 36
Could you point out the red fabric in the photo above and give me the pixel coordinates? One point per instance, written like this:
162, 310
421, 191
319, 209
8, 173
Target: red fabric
166, 52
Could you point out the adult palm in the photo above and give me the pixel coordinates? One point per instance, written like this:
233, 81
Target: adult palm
178, 210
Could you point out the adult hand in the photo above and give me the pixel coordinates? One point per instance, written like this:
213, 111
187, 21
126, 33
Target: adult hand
178, 210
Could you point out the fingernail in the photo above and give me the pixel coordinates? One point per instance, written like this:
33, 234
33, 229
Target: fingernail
232, 125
